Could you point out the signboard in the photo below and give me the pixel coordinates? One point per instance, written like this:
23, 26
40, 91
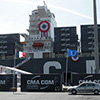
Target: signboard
41, 83
79, 78
6, 82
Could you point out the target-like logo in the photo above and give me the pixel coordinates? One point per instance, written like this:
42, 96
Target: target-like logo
44, 26
75, 59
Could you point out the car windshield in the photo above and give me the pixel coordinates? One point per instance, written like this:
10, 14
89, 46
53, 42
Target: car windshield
97, 84
82, 85
88, 84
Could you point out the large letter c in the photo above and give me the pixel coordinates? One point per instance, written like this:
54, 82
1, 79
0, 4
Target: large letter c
48, 64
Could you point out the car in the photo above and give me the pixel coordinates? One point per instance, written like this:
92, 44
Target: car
86, 87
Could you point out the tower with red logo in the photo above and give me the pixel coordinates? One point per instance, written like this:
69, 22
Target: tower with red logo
38, 44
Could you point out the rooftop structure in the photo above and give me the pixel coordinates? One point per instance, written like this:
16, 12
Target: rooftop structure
38, 44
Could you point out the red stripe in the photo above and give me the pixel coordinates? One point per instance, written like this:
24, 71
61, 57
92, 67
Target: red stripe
47, 34
24, 54
0, 69
43, 33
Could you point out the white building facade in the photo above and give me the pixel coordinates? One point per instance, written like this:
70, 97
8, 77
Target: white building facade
39, 42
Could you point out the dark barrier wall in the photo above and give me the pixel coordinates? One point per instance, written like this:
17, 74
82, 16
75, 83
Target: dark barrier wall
9, 63
55, 65
41, 83
40, 65
6, 82
79, 66
79, 78
45, 66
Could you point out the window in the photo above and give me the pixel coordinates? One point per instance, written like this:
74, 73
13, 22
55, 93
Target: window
90, 84
82, 85
36, 12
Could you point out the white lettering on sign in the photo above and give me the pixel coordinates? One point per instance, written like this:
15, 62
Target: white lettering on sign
35, 82
49, 64
96, 81
2, 82
47, 82
86, 79
40, 82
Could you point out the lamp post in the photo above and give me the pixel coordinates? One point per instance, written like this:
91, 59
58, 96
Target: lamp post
96, 48
14, 88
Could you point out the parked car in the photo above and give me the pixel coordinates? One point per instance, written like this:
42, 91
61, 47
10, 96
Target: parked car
86, 87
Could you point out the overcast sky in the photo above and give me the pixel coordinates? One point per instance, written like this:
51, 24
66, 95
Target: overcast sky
14, 14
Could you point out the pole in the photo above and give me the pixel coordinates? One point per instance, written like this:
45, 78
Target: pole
66, 70
14, 71
96, 48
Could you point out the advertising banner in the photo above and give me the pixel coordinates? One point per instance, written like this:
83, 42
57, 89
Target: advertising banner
6, 82
79, 78
41, 83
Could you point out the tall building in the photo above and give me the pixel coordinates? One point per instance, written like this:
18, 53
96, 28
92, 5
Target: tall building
38, 44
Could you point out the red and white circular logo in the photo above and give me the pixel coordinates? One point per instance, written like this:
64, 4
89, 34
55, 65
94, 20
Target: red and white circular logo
44, 26
75, 59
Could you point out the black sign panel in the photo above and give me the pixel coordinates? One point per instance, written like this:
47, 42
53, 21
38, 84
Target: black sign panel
41, 83
6, 82
79, 78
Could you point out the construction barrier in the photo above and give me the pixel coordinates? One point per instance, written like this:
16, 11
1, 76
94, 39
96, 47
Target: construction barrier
79, 78
8, 82
41, 83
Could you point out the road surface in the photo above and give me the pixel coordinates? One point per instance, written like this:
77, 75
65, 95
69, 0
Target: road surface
46, 96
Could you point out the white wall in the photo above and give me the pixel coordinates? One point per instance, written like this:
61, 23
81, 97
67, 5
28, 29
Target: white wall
38, 55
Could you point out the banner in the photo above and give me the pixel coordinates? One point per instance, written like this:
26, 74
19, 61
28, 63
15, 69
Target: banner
6, 82
41, 83
79, 78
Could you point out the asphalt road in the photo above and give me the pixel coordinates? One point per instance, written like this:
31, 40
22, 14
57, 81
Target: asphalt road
46, 96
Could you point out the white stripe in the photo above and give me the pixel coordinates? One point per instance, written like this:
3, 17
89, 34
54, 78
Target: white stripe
17, 70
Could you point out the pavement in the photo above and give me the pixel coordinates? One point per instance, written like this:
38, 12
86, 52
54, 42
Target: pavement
45, 96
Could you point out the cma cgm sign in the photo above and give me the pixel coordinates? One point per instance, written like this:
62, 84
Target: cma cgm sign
2, 82
49, 64
35, 81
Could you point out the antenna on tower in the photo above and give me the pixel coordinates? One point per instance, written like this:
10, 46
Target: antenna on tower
44, 3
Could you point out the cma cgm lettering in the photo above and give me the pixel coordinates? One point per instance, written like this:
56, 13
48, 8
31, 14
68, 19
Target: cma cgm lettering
40, 82
96, 81
2, 82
